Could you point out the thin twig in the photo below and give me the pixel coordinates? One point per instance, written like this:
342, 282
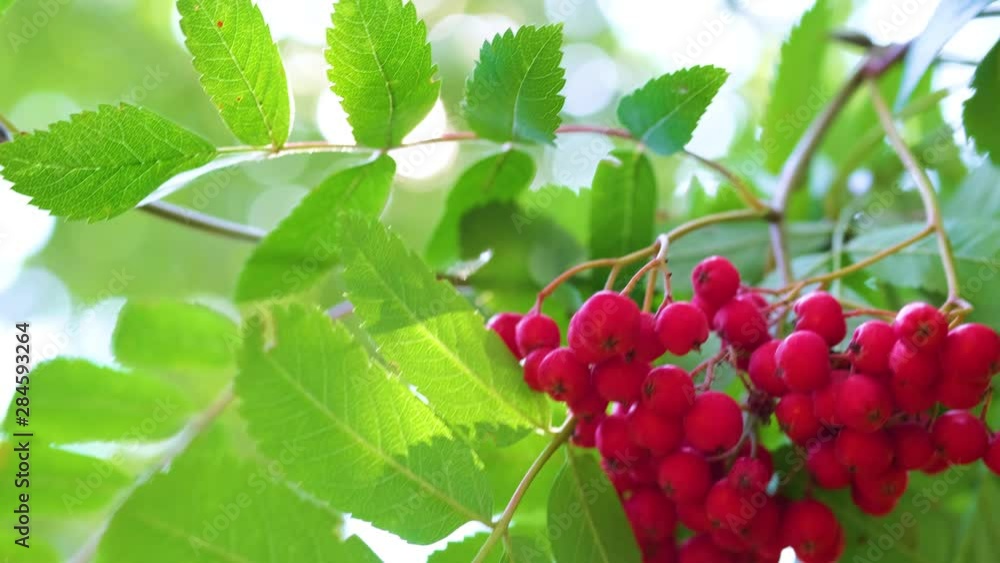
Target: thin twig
203, 222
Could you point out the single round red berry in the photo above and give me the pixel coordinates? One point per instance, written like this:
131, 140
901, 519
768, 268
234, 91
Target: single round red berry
992, 457
620, 380
959, 393
505, 325
971, 353
912, 444
888, 486
826, 471
604, 327
530, 364
922, 326
864, 403
864, 453
685, 476
821, 313
797, 417
913, 366
585, 432
803, 359
615, 442
715, 280
563, 376
536, 330
870, 347
740, 323
724, 507
960, 436
701, 549
763, 370
658, 434
682, 327
749, 475
714, 423
648, 346
810, 528
652, 516
669, 390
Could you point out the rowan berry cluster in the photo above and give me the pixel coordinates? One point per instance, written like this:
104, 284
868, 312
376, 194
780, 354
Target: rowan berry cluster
681, 453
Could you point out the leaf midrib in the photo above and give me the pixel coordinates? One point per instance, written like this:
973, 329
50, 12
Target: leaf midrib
385, 78
659, 122
520, 86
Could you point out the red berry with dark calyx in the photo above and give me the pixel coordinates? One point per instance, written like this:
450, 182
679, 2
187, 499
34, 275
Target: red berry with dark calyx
826, 471
803, 359
651, 515
870, 348
619, 476
505, 325
831, 555
620, 380
959, 393
714, 424
864, 453
922, 326
536, 330
740, 323
563, 376
811, 529
669, 390
715, 280
821, 313
887, 487
585, 432
971, 353
913, 366
685, 476
864, 403
614, 441
763, 370
749, 475
960, 436
992, 457
658, 434
701, 549
604, 327
797, 417
647, 342
682, 327
530, 365
912, 445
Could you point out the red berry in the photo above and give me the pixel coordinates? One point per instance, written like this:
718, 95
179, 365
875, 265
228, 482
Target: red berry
912, 444
563, 376
870, 347
810, 528
824, 467
936, 465
701, 549
922, 326
830, 555
604, 327
590, 405
724, 506
685, 476
585, 432
669, 390
531, 363
872, 505
536, 330
647, 342
763, 370
761, 452
693, 516
615, 442
505, 325
911, 398
658, 434
971, 353
644, 472
715, 280
888, 486
765, 526
619, 475
708, 309
714, 423
825, 400
804, 361
754, 297
821, 313
864, 403
960, 436
652, 516
992, 457
620, 380
660, 552
682, 327
797, 418
742, 324
864, 453
959, 394
913, 366
749, 475
733, 542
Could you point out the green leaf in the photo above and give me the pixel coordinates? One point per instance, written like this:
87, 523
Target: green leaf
568, 207
431, 334
663, 113
514, 91
586, 520
795, 93
623, 205
213, 506
38, 552
380, 65
365, 443
982, 112
102, 163
4, 4
978, 195
498, 178
117, 407
175, 336
304, 247
525, 550
240, 67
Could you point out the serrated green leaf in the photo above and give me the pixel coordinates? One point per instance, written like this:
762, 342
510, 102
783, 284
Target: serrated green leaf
214, 506
498, 178
623, 205
586, 521
240, 68
433, 337
118, 407
304, 246
380, 66
796, 96
366, 444
175, 336
981, 112
664, 113
102, 163
514, 91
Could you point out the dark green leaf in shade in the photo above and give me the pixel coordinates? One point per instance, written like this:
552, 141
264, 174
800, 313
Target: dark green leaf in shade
623, 206
982, 111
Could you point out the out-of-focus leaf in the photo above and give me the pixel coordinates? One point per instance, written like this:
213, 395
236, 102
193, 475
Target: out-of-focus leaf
568, 207
623, 205
175, 336
982, 111
978, 196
